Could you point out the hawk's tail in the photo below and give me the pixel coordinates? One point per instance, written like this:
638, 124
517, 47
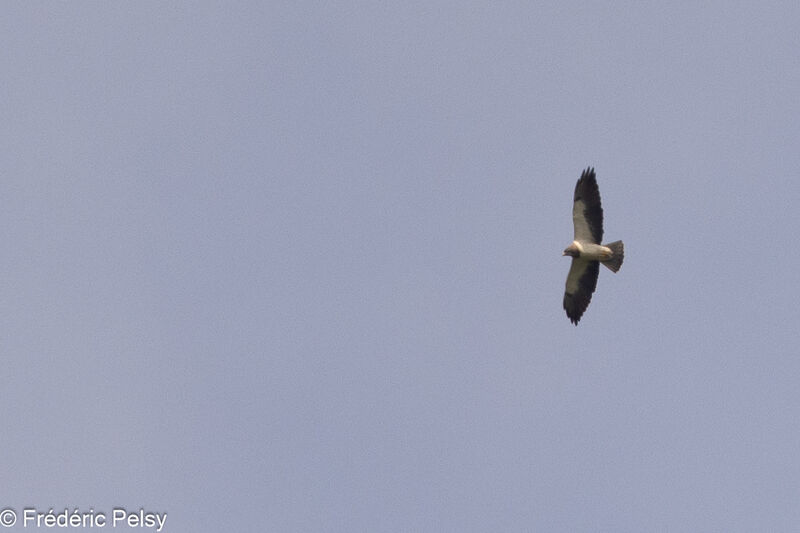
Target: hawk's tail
619, 254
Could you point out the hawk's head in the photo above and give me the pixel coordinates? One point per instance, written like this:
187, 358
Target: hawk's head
573, 249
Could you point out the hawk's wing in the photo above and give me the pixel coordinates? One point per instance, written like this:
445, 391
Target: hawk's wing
581, 282
587, 213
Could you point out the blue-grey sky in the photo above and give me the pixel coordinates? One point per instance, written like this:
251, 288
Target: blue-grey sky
297, 266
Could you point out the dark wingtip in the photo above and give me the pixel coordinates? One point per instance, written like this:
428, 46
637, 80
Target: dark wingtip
574, 311
588, 183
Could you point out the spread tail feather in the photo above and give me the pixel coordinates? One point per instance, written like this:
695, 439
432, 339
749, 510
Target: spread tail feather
619, 254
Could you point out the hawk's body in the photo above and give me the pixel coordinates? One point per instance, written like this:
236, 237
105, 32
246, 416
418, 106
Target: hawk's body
586, 251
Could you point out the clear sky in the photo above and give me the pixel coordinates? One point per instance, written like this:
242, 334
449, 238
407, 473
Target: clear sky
297, 266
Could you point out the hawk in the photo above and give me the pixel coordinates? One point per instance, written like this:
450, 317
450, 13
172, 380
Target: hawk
586, 251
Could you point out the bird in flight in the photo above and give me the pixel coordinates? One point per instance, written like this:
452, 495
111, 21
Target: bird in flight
586, 251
